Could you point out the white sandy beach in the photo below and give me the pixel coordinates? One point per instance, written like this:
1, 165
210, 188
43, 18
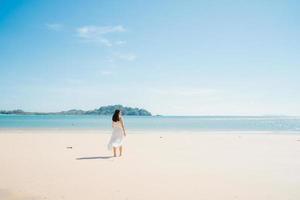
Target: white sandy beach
37, 164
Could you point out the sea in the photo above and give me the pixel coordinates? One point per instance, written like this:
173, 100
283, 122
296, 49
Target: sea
156, 123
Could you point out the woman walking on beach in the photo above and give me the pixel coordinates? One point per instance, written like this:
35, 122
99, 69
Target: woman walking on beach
118, 133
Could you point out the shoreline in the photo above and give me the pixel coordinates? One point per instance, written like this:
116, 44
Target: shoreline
105, 131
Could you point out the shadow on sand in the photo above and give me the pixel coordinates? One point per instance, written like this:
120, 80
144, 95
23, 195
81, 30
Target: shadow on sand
94, 157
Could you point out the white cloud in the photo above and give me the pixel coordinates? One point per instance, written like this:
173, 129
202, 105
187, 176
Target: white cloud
97, 33
94, 31
126, 56
121, 56
120, 42
55, 26
104, 41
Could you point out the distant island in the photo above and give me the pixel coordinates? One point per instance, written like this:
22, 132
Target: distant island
103, 110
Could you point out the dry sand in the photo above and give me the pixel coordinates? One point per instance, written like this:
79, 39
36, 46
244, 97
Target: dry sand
37, 164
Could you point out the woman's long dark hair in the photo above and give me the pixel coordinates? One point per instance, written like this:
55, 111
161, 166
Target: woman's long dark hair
116, 116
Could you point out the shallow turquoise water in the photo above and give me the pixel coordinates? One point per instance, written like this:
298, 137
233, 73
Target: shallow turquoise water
165, 123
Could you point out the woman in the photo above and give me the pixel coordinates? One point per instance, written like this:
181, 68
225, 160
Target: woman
118, 133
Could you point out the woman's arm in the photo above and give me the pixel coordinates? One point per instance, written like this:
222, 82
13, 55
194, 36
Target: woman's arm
123, 127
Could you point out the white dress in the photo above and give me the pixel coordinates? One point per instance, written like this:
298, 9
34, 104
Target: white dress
116, 139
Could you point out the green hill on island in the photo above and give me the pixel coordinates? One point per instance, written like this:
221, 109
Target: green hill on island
103, 110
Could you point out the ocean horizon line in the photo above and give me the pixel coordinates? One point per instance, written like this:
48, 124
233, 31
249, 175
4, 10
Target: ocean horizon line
153, 115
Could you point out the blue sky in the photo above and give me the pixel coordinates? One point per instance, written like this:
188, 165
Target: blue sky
170, 57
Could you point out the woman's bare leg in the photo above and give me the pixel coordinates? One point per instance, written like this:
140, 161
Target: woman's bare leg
115, 151
120, 149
